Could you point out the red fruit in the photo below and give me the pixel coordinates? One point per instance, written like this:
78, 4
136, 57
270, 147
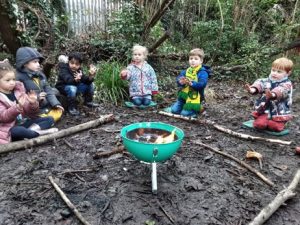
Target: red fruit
298, 150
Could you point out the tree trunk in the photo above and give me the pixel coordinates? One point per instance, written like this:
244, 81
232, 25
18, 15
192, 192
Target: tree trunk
8, 33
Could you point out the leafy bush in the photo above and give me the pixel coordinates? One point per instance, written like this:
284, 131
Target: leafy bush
109, 86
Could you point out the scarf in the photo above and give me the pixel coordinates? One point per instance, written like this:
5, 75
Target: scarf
190, 95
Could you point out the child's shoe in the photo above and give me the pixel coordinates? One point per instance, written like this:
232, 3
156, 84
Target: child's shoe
73, 111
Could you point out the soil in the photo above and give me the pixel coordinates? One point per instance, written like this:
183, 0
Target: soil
195, 186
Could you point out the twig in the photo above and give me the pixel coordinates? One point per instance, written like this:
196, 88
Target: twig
247, 166
281, 197
226, 130
69, 144
165, 212
43, 139
68, 202
105, 207
119, 149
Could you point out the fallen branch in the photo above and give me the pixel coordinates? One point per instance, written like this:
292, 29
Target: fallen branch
247, 166
43, 139
281, 197
68, 202
226, 130
117, 150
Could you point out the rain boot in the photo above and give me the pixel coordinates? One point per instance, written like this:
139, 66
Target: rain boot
88, 100
72, 109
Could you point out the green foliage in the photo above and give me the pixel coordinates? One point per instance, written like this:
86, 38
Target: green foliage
109, 86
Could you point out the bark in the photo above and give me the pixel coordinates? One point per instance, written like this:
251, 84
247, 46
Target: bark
9, 35
43, 139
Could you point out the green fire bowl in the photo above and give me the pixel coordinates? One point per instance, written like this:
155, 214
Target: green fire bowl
151, 152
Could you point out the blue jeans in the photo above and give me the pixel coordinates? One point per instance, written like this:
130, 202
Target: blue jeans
177, 108
141, 101
21, 131
81, 88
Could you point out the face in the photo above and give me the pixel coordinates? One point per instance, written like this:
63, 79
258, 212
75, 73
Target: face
33, 65
278, 74
8, 82
138, 56
195, 61
74, 65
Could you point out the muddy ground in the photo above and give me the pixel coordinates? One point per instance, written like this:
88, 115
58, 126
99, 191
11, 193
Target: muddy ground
195, 186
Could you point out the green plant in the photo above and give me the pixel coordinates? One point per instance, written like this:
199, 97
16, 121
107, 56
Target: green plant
109, 86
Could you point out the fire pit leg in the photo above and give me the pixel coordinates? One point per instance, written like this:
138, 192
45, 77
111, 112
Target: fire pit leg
154, 178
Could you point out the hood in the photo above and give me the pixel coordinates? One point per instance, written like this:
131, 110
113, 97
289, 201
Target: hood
26, 54
207, 69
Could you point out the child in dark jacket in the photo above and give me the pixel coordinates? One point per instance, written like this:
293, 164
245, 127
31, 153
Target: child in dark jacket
29, 73
191, 83
273, 108
18, 110
71, 81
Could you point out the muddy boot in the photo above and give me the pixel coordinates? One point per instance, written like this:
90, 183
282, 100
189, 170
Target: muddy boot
72, 106
88, 100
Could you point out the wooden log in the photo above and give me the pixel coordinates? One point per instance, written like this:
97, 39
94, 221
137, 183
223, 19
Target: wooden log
68, 202
247, 166
18, 145
226, 130
281, 197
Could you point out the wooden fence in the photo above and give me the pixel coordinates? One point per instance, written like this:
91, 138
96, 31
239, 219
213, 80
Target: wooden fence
89, 15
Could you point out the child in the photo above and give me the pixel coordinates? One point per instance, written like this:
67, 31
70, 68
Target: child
272, 109
18, 110
191, 84
29, 73
71, 81
141, 77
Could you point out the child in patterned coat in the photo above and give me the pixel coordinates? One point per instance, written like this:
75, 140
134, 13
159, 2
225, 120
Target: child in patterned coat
141, 76
273, 108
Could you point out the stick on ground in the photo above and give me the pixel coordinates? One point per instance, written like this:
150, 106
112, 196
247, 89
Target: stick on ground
247, 166
117, 150
68, 202
43, 139
281, 197
226, 130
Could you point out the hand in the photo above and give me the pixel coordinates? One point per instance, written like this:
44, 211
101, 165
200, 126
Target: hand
92, 70
269, 94
59, 107
21, 101
42, 96
182, 80
250, 89
32, 96
77, 76
123, 74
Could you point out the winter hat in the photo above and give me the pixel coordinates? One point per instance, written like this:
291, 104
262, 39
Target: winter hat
25, 55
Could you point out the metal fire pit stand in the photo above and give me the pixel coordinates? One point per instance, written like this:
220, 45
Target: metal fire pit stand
154, 172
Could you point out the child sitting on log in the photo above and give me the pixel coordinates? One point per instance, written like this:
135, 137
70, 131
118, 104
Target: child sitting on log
141, 76
191, 83
273, 108
71, 82
18, 110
